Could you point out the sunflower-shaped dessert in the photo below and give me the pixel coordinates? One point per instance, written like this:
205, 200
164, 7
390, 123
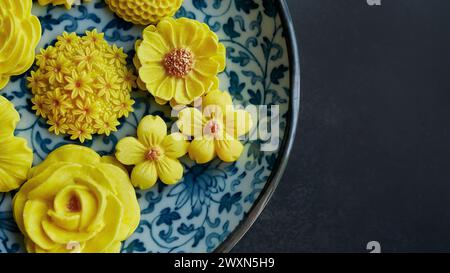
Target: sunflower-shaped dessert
179, 59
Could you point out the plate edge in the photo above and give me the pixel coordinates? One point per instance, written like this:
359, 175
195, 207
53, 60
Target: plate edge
288, 141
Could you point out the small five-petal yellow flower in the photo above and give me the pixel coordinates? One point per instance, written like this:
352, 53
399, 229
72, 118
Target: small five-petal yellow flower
216, 130
154, 153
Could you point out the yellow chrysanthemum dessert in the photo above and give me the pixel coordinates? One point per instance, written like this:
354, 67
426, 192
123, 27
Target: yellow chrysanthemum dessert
67, 3
76, 202
82, 86
144, 12
179, 60
20, 32
216, 130
154, 153
15, 156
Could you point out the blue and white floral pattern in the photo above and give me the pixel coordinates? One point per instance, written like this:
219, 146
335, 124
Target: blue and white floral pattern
199, 213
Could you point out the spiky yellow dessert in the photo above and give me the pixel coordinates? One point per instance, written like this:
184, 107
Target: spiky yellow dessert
82, 85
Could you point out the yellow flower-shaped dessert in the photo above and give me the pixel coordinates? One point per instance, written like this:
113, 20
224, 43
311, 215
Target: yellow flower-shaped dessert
75, 201
15, 156
154, 153
144, 12
216, 130
67, 3
179, 60
19, 35
82, 86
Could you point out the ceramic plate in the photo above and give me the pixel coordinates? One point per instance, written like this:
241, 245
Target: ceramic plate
215, 203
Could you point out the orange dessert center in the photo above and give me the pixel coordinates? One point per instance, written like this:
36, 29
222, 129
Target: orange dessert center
153, 154
212, 128
179, 62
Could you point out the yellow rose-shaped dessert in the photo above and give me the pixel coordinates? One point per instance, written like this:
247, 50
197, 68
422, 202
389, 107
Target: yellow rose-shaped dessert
154, 153
19, 35
67, 3
15, 156
216, 130
179, 60
82, 86
144, 12
76, 202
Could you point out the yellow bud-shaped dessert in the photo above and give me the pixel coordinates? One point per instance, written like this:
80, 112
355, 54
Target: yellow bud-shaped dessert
75, 201
144, 12
15, 156
19, 35
178, 60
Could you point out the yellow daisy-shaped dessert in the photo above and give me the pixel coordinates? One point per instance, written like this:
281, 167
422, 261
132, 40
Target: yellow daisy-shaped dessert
20, 32
82, 85
75, 201
216, 130
144, 12
154, 153
15, 156
179, 60
67, 3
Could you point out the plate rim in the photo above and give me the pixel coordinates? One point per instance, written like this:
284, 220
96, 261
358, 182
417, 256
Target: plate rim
288, 141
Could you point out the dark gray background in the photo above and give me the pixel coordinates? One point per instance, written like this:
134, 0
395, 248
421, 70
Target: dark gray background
372, 156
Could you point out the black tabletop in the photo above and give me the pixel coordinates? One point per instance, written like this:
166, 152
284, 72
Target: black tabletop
371, 160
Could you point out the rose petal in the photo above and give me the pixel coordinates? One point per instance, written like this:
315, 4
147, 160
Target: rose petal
33, 214
67, 153
107, 236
